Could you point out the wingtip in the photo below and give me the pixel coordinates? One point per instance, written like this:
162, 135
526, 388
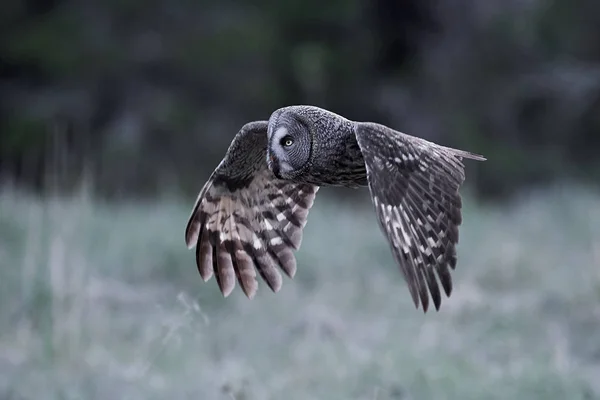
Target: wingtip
425, 306
277, 288
205, 277
437, 308
196, 218
250, 293
227, 290
469, 155
249, 286
291, 273
191, 232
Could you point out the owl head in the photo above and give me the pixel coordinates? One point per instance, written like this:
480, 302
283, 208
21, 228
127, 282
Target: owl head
290, 135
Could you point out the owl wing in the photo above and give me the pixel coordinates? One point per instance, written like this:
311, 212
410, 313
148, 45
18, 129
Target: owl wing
414, 187
245, 219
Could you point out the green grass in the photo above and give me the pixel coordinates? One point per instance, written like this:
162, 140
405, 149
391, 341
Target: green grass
103, 301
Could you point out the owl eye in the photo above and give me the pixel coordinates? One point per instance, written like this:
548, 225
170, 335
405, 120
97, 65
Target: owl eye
287, 141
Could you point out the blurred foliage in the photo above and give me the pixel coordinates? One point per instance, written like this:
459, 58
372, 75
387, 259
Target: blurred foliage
139, 94
100, 300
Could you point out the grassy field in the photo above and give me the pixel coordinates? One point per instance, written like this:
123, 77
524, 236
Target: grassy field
103, 301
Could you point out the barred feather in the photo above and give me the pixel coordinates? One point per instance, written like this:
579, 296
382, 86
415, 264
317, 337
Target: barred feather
246, 220
414, 185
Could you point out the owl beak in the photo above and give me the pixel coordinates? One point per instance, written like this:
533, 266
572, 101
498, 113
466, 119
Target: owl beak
274, 165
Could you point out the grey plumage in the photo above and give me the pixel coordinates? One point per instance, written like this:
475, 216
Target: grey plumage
250, 214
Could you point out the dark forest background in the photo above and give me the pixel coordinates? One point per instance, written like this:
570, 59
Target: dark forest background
138, 94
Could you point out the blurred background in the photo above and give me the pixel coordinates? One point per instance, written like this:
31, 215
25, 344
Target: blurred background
114, 113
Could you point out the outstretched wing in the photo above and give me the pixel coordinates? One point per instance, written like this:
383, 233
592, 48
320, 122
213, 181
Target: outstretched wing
246, 220
414, 186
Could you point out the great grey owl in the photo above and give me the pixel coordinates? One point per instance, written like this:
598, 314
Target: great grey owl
250, 214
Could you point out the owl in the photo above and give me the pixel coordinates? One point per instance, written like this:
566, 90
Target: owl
250, 214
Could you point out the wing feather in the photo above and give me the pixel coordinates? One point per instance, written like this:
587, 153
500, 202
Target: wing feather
414, 185
245, 220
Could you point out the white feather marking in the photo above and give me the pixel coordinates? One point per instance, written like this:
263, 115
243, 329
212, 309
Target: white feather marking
256, 243
268, 225
276, 241
387, 211
405, 235
404, 214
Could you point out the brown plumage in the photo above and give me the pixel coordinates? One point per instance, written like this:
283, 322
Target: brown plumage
247, 221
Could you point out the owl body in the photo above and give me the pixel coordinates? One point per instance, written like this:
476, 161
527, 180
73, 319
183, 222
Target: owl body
249, 216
